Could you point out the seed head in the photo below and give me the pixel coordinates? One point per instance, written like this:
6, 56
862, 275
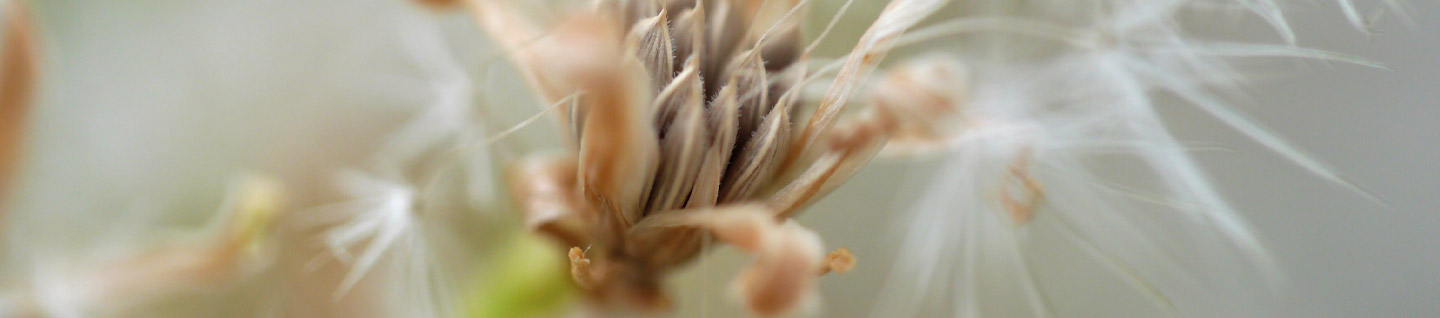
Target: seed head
684, 131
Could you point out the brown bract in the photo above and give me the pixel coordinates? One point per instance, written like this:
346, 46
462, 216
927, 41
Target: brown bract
681, 131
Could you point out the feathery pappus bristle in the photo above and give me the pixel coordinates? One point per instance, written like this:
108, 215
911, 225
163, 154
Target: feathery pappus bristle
1012, 163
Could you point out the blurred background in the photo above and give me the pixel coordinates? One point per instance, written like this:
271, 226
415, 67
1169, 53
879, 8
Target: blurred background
154, 105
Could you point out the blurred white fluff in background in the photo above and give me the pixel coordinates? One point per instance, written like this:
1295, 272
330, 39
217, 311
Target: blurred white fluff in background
1055, 86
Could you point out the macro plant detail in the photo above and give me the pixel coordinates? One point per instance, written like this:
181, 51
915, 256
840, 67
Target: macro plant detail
687, 126
690, 135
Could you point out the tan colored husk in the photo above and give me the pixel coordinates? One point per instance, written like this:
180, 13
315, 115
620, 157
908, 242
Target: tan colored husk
683, 143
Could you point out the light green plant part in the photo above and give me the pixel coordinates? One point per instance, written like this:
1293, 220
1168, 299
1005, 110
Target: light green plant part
529, 278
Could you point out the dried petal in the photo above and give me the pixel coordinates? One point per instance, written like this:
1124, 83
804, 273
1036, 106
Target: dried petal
757, 162
682, 141
684, 91
688, 33
747, 75
723, 116
650, 39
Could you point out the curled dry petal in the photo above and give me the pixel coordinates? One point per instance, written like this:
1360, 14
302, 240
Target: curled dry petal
782, 279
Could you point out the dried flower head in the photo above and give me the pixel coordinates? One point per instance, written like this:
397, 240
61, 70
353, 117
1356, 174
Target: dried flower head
682, 130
